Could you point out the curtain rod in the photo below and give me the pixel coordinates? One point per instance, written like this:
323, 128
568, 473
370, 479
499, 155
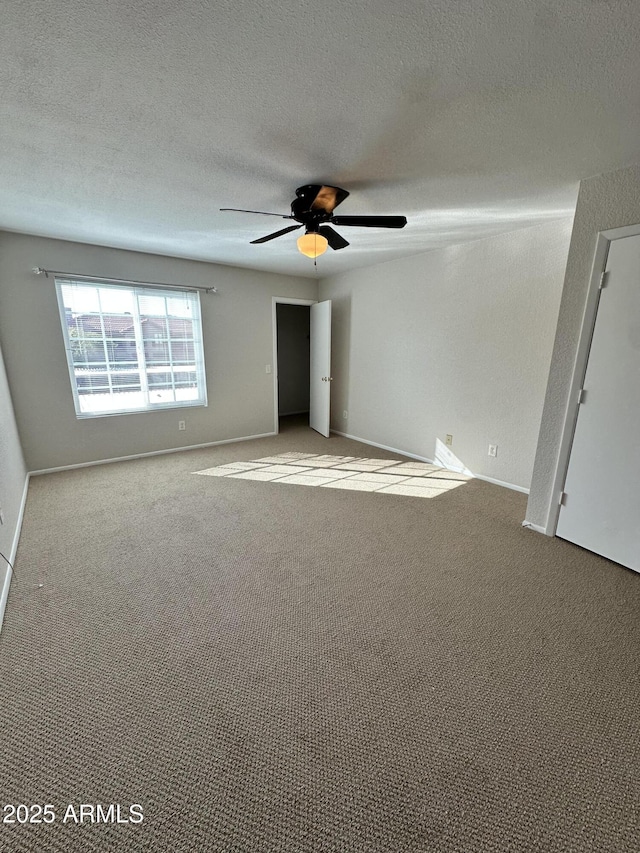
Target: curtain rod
152, 284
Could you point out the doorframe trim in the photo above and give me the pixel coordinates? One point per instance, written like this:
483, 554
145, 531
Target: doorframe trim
282, 300
587, 326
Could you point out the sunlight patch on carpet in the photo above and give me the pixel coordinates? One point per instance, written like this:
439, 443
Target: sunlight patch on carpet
384, 476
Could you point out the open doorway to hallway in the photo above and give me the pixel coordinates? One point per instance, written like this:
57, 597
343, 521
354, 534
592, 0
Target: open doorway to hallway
293, 341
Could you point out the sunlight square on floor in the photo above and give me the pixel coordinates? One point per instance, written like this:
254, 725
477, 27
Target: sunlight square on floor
285, 469
307, 480
376, 477
256, 475
358, 474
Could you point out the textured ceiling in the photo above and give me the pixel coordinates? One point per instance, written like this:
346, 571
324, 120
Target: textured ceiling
129, 124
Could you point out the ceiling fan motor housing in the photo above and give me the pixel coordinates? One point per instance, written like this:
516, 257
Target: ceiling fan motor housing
309, 218
314, 204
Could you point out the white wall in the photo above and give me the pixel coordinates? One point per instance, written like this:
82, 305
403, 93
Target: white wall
604, 202
293, 358
237, 329
452, 341
13, 474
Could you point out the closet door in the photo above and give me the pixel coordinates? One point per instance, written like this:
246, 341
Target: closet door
320, 371
601, 504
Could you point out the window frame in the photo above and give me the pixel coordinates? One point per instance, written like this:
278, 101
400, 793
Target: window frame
140, 365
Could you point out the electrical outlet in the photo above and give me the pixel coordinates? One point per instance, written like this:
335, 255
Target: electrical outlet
182, 425
449, 440
493, 450
267, 368
345, 414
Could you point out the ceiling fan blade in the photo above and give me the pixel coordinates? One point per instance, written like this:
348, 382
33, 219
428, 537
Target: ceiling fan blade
371, 221
277, 234
261, 212
333, 238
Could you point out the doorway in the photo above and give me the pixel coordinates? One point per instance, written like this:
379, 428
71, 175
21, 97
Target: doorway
310, 346
293, 337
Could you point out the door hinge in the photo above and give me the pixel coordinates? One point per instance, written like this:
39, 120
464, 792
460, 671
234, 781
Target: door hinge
563, 499
582, 396
604, 279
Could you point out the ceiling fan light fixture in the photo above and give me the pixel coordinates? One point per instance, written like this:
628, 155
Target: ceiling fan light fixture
312, 244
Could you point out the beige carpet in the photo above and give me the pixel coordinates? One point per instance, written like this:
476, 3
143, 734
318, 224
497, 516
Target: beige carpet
284, 669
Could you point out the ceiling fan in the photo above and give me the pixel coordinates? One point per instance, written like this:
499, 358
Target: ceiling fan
313, 208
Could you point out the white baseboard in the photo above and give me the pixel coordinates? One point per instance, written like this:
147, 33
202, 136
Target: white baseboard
150, 453
5, 592
12, 554
502, 483
432, 462
383, 446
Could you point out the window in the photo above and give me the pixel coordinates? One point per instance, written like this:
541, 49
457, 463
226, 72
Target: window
131, 349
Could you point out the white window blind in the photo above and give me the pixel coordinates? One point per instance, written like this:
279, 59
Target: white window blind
131, 349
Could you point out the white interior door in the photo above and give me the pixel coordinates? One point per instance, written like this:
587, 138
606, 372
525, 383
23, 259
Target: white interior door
320, 368
601, 509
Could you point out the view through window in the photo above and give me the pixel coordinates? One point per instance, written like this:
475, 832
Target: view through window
131, 349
